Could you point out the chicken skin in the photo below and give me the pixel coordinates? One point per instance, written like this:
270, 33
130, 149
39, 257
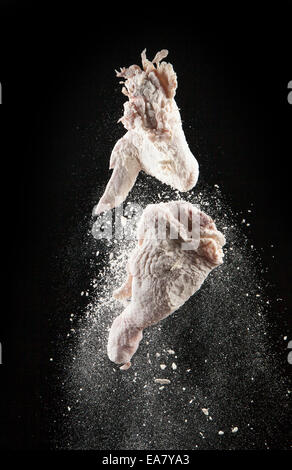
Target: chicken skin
154, 142
178, 246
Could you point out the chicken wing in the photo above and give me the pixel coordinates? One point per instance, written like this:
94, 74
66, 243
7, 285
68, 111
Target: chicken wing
155, 140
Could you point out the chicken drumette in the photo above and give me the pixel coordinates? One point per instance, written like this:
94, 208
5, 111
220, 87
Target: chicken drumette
178, 246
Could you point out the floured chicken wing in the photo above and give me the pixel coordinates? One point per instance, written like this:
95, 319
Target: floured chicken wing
178, 246
155, 141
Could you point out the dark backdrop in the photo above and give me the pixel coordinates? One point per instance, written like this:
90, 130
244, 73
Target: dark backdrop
60, 104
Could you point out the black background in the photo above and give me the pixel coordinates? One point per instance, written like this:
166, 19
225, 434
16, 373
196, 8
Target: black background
56, 70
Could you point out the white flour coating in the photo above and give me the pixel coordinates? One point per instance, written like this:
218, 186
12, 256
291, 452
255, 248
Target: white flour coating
155, 142
162, 275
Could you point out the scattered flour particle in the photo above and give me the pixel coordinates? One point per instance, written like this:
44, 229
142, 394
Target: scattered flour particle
97, 253
162, 366
205, 411
235, 429
161, 388
174, 366
69, 408
221, 433
111, 256
285, 337
162, 381
157, 354
170, 351
123, 221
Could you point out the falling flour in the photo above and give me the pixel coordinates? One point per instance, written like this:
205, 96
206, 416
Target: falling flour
220, 338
